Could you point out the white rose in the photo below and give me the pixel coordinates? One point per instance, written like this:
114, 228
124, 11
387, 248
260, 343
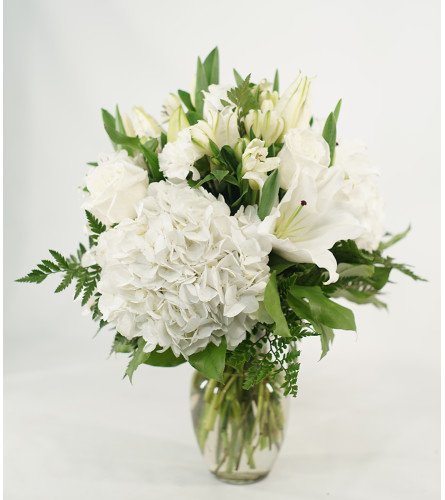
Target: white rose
116, 186
304, 149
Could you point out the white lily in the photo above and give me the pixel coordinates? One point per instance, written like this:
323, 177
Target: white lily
169, 106
144, 124
221, 128
308, 221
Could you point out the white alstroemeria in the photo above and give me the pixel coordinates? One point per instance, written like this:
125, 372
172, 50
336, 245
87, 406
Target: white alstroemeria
308, 221
177, 158
256, 164
266, 125
116, 187
360, 191
144, 124
185, 273
303, 149
295, 104
268, 97
169, 106
222, 129
212, 99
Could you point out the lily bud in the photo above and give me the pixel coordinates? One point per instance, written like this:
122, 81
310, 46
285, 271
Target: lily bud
128, 125
144, 124
294, 105
170, 105
201, 133
266, 125
178, 122
239, 148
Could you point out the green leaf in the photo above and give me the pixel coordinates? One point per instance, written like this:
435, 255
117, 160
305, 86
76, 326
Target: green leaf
278, 264
322, 310
211, 361
186, 99
380, 277
238, 78
326, 338
119, 123
269, 194
65, 282
193, 117
166, 358
394, 239
229, 158
214, 148
60, 259
337, 111
211, 67
273, 306
330, 135
201, 84
359, 297
139, 357
96, 226
243, 98
348, 270
220, 174
276, 82
122, 344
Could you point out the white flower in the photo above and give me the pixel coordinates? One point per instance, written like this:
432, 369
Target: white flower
360, 191
256, 164
184, 273
144, 124
266, 125
303, 149
177, 158
294, 105
308, 221
169, 106
221, 128
212, 99
116, 187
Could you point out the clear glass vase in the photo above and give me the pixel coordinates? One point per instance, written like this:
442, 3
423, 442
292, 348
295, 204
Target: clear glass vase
239, 431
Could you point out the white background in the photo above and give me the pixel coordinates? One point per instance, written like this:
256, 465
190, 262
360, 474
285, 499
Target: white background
366, 422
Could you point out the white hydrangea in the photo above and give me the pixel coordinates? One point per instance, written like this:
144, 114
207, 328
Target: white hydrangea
116, 187
177, 158
183, 273
361, 192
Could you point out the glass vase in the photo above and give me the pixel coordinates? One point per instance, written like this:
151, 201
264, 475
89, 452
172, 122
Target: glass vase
239, 431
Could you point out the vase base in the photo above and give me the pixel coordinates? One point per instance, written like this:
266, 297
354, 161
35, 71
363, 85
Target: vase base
241, 477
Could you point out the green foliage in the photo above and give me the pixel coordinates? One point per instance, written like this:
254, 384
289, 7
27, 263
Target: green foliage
211, 361
330, 135
392, 241
243, 98
211, 67
276, 82
132, 145
274, 308
186, 99
86, 277
96, 227
269, 194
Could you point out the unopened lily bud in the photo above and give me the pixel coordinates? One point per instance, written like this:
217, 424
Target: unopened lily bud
294, 105
144, 124
170, 105
128, 125
178, 122
266, 125
239, 148
201, 133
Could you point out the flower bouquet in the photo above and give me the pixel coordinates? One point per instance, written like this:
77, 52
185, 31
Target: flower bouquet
220, 237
